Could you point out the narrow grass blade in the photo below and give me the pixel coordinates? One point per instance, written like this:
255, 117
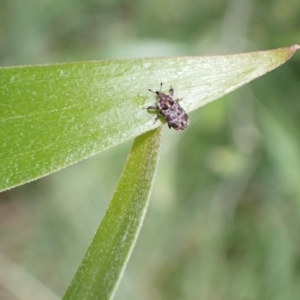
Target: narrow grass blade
105, 260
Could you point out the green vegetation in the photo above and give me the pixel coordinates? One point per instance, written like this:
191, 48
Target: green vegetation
223, 220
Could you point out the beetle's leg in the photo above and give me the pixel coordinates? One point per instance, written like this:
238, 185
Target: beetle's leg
171, 91
159, 115
152, 107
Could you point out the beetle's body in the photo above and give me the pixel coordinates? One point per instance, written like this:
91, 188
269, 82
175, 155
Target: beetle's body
171, 110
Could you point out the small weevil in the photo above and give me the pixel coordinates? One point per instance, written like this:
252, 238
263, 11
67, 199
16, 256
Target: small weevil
170, 109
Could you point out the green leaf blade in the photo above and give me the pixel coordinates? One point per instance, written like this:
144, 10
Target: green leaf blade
52, 116
106, 258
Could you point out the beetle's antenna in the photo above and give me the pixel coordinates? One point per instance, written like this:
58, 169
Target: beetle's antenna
157, 92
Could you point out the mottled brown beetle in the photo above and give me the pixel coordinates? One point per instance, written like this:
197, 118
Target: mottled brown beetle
170, 109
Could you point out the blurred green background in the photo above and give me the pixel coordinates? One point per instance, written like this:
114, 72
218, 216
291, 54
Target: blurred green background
224, 217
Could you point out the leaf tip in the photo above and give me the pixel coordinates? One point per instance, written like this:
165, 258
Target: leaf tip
294, 48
